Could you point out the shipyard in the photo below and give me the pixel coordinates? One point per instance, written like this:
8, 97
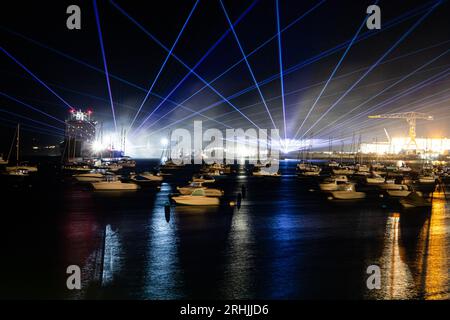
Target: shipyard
182, 154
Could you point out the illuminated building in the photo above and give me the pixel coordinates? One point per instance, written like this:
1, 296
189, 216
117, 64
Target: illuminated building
398, 145
80, 133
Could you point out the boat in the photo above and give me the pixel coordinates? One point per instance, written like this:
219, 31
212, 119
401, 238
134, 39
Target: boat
401, 193
92, 176
375, 179
392, 186
348, 192
19, 167
262, 172
127, 162
343, 171
75, 167
209, 192
203, 178
114, 184
333, 164
332, 183
415, 200
146, 177
308, 169
196, 198
427, 178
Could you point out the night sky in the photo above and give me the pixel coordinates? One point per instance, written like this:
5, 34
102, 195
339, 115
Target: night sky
70, 63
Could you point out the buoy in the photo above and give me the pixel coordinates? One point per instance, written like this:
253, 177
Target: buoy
330, 198
311, 190
167, 211
381, 195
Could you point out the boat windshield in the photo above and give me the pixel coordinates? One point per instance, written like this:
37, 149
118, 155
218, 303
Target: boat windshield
198, 192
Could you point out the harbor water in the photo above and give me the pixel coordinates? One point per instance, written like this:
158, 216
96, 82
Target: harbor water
283, 240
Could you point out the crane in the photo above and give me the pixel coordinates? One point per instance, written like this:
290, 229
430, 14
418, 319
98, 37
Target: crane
411, 118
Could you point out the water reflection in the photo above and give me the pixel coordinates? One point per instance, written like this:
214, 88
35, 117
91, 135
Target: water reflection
415, 257
163, 278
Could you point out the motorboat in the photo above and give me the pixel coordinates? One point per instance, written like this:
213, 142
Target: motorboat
333, 164
264, 172
343, 171
392, 186
196, 198
203, 178
146, 177
404, 192
93, 176
209, 192
427, 178
25, 167
332, 183
348, 192
114, 184
74, 167
415, 200
308, 170
375, 179
170, 165
127, 162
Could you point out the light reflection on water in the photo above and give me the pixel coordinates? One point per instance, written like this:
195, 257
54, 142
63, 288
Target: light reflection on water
285, 241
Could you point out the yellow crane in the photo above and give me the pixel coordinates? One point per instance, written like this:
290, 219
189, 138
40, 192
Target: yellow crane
410, 117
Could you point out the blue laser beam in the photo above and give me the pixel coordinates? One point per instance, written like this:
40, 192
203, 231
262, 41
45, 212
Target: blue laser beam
163, 64
30, 107
332, 74
238, 62
402, 18
386, 89
100, 38
246, 62
29, 119
35, 77
280, 61
411, 29
191, 70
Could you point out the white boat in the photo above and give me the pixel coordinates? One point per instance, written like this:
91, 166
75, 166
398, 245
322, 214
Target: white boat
19, 167
348, 192
146, 177
427, 179
344, 171
114, 185
16, 173
196, 198
77, 168
332, 183
22, 167
415, 200
375, 179
209, 192
333, 164
308, 170
400, 193
89, 177
392, 186
265, 171
203, 179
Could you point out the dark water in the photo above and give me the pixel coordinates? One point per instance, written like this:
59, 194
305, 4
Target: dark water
286, 241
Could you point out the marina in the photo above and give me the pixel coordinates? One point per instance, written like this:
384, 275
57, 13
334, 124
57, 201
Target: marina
142, 244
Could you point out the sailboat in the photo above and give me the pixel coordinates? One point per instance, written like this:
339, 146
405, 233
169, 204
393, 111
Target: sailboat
20, 168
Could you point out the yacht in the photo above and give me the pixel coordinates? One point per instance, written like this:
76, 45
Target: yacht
209, 192
146, 177
375, 179
203, 178
19, 167
427, 178
308, 170
415, 200
196, 198
347, 192
93, 176
404, 192
343, 170
114, 184
332, 183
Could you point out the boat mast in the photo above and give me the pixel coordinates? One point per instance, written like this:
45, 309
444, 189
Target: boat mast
18, 143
